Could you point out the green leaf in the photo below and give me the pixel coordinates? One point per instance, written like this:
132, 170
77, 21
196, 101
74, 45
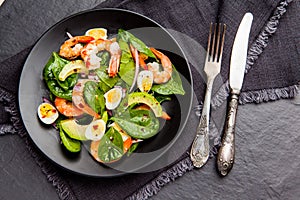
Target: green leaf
51, 71
161, 98
127, 65
72, 80
94, 96
103, 76
132, 148
105, 57
139, 127
140, 117
58, 91
125, 50
173, 86
110, 146
137, 43
84, 119
122, 35
103, 86
58, 65
127, 72
105, 116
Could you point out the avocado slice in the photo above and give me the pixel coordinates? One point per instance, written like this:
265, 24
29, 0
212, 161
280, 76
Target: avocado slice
143, 97
74, 130
75, 66
70, 144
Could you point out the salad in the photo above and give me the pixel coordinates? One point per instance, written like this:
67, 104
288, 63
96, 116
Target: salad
107, 92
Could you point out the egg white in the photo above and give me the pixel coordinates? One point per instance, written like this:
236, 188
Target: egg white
145, 80
95, 130
113, 98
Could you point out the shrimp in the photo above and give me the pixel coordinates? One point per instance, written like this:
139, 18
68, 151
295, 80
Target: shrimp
71, 48
92, 61
66, 107
141, 57
164, 75
78, 100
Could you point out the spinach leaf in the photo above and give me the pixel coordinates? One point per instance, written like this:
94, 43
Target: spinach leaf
58, 91
47, 72
127, 72
126, 54
173, 86
132, 148
61, 89
110, 146
103, 76
58, 65
94, 96
104, 116
142, 125
127, 65
69, 82
140, 117
161, 98
137, 43
103, 86
84, 119
105, 57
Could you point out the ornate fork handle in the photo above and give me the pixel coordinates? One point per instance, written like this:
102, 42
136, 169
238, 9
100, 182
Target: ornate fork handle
200, 147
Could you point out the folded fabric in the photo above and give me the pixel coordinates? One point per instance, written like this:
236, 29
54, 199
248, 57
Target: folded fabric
274, 75
277, 67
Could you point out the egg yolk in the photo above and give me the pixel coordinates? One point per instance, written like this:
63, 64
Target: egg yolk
47, 111
113, 96
146, 83
97, 33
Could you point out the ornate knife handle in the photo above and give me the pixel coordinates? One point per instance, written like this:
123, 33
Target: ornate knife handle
226, 153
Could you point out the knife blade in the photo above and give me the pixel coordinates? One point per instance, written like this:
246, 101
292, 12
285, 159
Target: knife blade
226, 153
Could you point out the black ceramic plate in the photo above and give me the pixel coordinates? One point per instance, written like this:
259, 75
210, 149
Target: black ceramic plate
32, 89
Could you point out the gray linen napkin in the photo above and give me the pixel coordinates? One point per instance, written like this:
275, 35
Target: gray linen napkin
272, 76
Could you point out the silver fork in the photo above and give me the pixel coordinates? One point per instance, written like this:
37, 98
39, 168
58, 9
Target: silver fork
200, 147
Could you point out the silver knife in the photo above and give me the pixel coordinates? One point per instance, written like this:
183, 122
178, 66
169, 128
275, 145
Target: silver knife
226, 153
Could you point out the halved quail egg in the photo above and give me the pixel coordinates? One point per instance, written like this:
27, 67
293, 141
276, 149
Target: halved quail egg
97, 33
113, 98
95, 130
145, 80
47, 113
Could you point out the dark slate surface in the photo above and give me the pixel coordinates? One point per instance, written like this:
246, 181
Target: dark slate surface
267, 159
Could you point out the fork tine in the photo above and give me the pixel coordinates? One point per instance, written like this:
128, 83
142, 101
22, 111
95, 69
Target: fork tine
222, 42
216, 56
213, 44
209, 42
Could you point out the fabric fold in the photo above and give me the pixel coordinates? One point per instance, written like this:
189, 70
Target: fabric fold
269, 92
